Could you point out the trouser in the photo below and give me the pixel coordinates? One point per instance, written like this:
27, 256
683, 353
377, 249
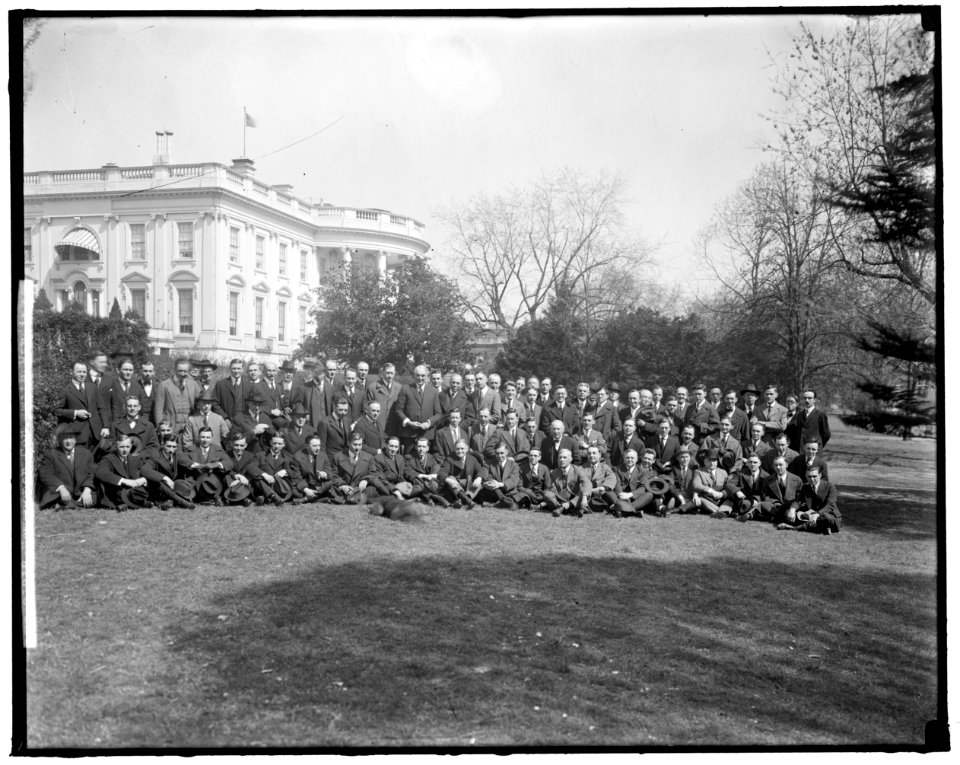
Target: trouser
51, 498
602, 501
160, 492
526, 497
635, 505
556, 500
493, 496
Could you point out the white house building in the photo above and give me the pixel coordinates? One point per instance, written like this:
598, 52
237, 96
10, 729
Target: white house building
217, 262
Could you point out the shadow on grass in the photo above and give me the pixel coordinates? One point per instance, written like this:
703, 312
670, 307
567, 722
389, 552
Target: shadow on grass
908, 514
558, 651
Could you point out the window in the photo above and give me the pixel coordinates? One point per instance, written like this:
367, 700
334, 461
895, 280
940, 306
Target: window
138, 302
186, 310
185, 240
138, 241
80, 295
94, 302
283, 260
259, 262
234, 303
234, 245
64, 298
303, 265
281, 321
258, 319
27, 246
303, 321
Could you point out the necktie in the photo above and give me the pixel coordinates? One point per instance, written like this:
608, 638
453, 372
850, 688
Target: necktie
783, 484
723, 442
353, 458
663, 443
205, 420
204, 455
180, 386
69, 456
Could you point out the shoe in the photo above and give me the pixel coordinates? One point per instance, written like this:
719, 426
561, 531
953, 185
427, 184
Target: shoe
579, 512
258, 500
166, 504
557, 512
747, 516
188, 505
786, 527
617, 513
469, 504
513, 506
121, 508
640, 514
277, 501
247, 502
217, 502
662, 511
441, 501
456, 505
719, 515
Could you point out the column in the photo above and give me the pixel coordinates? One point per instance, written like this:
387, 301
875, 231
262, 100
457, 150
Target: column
347, 256
382, 262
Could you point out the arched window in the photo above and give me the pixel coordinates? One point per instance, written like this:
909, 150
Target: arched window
78, 245
80, 295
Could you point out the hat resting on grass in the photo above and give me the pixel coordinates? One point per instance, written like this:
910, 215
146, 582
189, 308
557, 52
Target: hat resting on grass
236, 492
283, 489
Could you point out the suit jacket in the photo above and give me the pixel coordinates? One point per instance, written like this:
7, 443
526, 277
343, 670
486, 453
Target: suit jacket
248, 424
113, 403
350, 474
761, 448
537, 479
71, 400
304, 468
191, 432
593, 438
374, 436
798, 466
618, 448
526, 411
601, 474
489, 399
549, 450
791, 493
466, 472
743, 481
111, 469
705, 422
450, 402
248, 465
606, 419
335, 438
518, 445
702, 480
645, 417
171, 405
483, 440
570, 483
322, 396
731, 455
739, 421
813, 424
387, 397
509, 473
568, 416
288, 395
630, 480
766, 461
418, 407
444, 440
228, 403
416, 467
355, 400
268, 463
148, 400
773, 418
693, 449
663, 462
823, 500
682, 484
55, 470
296, 441
274, 399
391, 469
156, 466
194, 454
142, 429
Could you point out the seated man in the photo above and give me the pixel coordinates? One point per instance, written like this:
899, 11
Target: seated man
534, 436
603, 482
687, 441
818, 510
513, 437
423, 469
135, 426
623, 441
745, 489
246, 471
161, 468
633, 490
780, 449
391, 475
205, 417
731, 453
205, 465
570, 488
680, 497
356, 470
298, 432
535, 479
586, 436
66, 472
809, 458
257, 425
502, 481
312, 475
781, 495
119, 476
757, 443
708, 485
461, 477
445, 437
274, 464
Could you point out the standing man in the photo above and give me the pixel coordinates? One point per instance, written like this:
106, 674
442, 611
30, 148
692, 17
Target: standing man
269, 388
231, 392
370, 427
365, 381
335, 429
386, 392
780, 449
811, 421
664, 446
512, 436
418, 409
148, 396
113, 400
555, 443
79, 405
352, 392
446, 437
288, 388
176, 397
453, 399
606, 417
739, 422
558, 410
750, 395
701, 415
772, 416
205, 379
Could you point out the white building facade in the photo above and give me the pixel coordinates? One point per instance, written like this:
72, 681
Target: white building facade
217, 262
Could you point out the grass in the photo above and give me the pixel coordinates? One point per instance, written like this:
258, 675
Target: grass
327, 627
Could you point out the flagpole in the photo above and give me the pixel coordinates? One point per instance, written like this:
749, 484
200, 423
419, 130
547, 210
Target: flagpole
244, 131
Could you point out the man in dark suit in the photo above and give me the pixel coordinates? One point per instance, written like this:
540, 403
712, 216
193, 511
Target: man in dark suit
739, 422
288, 388
818, 510
555, 442
502, 481
231, 392
113, 400
418, 409
586, 435
606, 417
205, 460
119, 475
424, 470
274, 464
680, 499
391, 476
559, 410
371, 428
513, 437
269, 387
353, 393
66, 473
311, 473
485, 397
454, 399
745, 488
461, 477
633, 493
335, 428
355, 470
447, 436
80, 405
246, 471
148, 387
161, 469
570, 488
664, 447
811, 457
811, 421
386, 392
757, 443
135, 426
624, 440
750, 394
701, 415
535, 479
781, 495
205, 381
365, 380
255, 424
780, 449
324, 393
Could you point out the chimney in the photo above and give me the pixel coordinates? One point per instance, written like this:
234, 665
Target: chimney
162, 157
243, 166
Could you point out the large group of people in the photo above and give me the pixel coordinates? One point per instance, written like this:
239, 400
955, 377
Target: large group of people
264, 434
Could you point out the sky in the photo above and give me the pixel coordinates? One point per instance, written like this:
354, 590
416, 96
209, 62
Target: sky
421, 114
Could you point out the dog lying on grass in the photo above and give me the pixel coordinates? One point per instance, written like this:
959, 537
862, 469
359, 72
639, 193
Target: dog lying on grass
399, 509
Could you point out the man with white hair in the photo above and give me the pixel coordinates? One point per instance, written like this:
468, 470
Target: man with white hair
418, 409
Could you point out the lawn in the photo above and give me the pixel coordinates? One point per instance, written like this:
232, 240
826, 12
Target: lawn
319, 626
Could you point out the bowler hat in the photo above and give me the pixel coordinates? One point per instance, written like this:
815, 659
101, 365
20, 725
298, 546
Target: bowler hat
612, 387
136, 496
711, 454
283, 489
195, 361
184, 489
206, 395
120, 351
299, 410
658, 486
287, 366
311, 363
72, 429
207, 364
750, 388
236, 492
255, 397
209, 485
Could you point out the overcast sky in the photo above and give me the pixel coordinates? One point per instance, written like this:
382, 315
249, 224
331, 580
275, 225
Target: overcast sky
427, 111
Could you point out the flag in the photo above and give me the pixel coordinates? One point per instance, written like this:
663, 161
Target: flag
248, 121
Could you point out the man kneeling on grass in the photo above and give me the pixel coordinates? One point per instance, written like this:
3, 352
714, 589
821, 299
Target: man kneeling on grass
818, 506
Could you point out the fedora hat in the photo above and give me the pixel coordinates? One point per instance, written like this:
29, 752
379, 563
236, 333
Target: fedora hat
283, 489
658, 486
311, 363
184, 489
136, 443
206, 363
711, 454
209, 485
287, 366
137, 496
612, 387
120, 351
299, 410
72, 429
236, 492
750, 388
206, 395
255, 397
195, 361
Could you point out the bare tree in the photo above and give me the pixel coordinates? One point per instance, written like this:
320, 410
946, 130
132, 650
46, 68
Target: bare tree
563, 233
31, 32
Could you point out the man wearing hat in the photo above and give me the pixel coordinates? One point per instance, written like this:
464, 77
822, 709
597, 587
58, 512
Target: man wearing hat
205, 464
288, 387
80, 406
195, 362
386, 391
255, 423
66, 473
205, 380
709, 484
298, 432
139, 429
176, 397
632, 493
205, 418
275, 469
230, 393
355, 469
161, 468
750, 395
739, 422
312, 474
119, 475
